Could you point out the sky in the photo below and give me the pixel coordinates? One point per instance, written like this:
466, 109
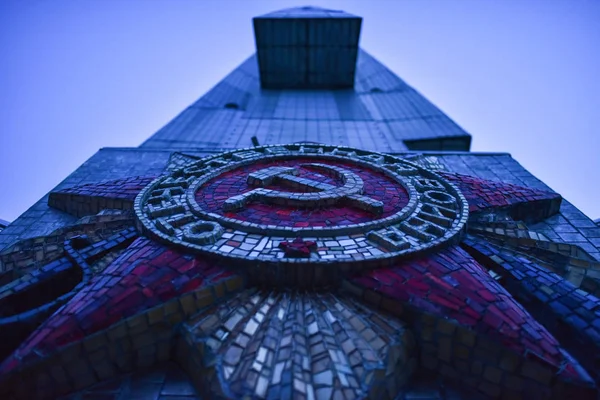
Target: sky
78, 75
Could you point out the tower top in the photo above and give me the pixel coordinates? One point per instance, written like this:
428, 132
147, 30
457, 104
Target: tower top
308, 12
307, 48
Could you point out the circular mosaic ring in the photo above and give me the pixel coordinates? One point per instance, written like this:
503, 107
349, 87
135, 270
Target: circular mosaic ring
303, 212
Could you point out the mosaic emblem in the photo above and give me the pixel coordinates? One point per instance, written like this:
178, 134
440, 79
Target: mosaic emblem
315, 194
110, 300
361, 209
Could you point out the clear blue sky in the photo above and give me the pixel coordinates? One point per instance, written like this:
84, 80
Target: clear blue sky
77, 75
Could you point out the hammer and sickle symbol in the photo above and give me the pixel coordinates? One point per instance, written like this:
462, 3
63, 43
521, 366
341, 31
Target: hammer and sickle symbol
315, 194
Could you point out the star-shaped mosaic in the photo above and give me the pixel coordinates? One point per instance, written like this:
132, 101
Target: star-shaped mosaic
303, 270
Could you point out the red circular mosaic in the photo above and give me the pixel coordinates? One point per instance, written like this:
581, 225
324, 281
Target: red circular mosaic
213, 194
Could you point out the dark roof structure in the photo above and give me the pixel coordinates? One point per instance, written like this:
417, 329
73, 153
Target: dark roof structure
310, 228
307, 48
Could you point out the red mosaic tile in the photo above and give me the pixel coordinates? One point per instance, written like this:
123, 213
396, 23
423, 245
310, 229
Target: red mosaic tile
144, 276
476, 300
126, 188
377, 186
298, 247
86, 200
484, 194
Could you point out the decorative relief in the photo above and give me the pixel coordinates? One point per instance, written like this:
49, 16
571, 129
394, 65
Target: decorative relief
333, 219
267, 344
360, 208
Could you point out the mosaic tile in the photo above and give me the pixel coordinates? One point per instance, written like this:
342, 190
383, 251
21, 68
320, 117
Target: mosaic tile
215, 193
293, 345
30, 254
525, 203
145, 287
457, 290
571, 262
92, 198
165, 382
570, 314
428, 212
469, 331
